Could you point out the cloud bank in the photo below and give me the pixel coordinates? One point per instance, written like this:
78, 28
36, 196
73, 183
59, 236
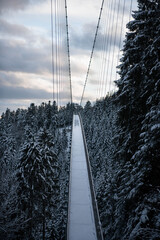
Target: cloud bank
25, 48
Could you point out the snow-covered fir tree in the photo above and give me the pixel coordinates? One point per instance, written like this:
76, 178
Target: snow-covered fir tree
125, 159
139, 100
34, 173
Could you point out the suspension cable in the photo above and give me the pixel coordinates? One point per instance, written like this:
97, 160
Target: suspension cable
110, 41
94, 42
52, 61
61, 78
56, 50
68, 49
59, 56
104, 82
120, 41
115, 38
130, 15
103, 55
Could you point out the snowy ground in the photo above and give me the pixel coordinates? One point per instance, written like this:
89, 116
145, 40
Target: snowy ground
81, 224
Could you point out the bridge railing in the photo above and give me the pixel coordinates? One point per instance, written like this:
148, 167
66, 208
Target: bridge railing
93, 194
68, 203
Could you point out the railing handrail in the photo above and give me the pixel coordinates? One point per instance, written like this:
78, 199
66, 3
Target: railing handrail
66, 237
94, 200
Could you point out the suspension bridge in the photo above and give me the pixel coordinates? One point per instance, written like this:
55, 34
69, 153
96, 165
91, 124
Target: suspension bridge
83, 217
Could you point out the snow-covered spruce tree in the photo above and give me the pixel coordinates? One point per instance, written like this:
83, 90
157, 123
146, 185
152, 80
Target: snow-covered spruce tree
65, 115
60, 210
54, 121
28, 182
23, 141
48, 115
8, 209
64, 139
30, 117
37, 185
41, 115
49, 193
139, 100
8, 161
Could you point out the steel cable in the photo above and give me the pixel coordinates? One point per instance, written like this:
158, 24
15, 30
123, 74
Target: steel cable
104, 50
90, 61
120, 41
110, 43
115, 38
52, 57
68, 48
104, 81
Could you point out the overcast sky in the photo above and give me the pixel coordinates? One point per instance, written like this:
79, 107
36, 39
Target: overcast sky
25, 49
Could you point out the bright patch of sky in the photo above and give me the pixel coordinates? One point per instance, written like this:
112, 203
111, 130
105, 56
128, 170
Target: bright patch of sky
25, 50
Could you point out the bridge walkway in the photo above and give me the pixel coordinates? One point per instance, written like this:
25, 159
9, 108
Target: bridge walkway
81, 222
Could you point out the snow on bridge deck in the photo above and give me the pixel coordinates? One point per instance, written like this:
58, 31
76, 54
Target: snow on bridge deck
81, 223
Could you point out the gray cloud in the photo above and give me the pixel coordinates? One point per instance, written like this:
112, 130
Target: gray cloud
9, 89
84, 40
15, 29
8, 92
11, 92
14, 5
94, 82
17, 56
9, 79
22, 50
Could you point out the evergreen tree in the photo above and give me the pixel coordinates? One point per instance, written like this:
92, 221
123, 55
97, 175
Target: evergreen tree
29, 183
38, 183
139, 83
139, 100
48, 115
34, 173
64, 139
30, 117
41, 115
49, 192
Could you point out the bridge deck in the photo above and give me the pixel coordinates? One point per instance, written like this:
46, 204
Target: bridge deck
81, 223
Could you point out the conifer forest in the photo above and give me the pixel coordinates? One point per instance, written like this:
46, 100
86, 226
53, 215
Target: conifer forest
122, 132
